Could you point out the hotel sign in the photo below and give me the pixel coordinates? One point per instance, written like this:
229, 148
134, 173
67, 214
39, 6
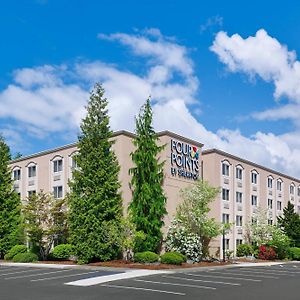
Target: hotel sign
184, 160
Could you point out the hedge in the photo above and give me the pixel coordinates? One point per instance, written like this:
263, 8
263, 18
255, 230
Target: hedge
14, 251
62, 252
244, 250
25, 257
295, 253
146, 257
172, 258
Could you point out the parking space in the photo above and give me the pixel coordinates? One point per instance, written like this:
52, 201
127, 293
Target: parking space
34, 283
216, 283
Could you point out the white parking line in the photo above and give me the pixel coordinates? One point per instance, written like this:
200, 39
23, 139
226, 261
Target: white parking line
65, 276
277, 271
226, 277
201, 280
18, 272
142, 289
178, 284
241, 274
259, 272
32, 275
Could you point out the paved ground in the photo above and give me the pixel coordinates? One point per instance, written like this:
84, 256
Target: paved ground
278, 282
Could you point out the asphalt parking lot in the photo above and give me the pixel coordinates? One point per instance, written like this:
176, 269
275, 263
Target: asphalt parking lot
269, 283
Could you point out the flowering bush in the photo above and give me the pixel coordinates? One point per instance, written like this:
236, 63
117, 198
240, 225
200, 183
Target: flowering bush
179, 239
266, 252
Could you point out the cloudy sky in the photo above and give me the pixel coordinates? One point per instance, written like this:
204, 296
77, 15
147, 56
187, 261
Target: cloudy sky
222, 73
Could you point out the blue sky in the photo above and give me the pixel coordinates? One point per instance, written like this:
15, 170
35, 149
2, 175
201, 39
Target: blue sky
221, 72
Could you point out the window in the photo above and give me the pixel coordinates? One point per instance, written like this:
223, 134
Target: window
239, 197
279, 205
292, 189
279, 185
58, 192
225, 218
254, 200
299, 191
226, 244
270, 203
270, 182
32, 171
225, 194
74, 163
31, 193
57, 165
17, 174
239, 173
239, 242
254, 178
225, 169
270, 222
239, 221
253, 220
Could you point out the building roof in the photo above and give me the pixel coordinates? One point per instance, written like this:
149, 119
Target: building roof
255, 165
116, 133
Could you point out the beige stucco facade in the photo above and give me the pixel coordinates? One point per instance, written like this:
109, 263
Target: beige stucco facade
51, 171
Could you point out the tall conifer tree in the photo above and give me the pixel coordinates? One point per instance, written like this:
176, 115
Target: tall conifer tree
290, 223
95, 202
148, 200
10, 204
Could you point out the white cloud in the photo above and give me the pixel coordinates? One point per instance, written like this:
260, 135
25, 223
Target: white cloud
49, 99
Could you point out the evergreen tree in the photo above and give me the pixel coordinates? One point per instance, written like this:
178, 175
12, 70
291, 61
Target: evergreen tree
290, 224
95, 202
148, 200
10, 204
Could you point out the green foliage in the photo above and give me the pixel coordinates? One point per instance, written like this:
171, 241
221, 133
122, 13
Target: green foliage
244, 250
262, 234
62, 252
10, 213
294, 253
192, 229
280, 242
45, 221
289, 222
14, 251
172, 258
148, 200
94, 201
25, 257
146, 257
130, 238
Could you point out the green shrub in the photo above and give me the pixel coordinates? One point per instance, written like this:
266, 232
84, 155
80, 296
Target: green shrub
244, 250
295, 253
62, 252
25, 257
14, 251
172, 258
146, 257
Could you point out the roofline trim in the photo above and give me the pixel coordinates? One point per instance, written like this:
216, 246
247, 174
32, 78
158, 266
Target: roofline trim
255, 165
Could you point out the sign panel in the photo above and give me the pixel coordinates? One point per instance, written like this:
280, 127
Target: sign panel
184, 160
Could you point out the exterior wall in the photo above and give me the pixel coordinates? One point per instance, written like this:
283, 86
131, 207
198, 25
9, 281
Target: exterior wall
46, 179
176, 177
212, 168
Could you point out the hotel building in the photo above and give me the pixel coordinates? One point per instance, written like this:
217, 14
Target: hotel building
243, 184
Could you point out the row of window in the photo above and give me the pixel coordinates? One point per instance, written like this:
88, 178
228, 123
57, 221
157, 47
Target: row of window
239, 199
57, 192
57, 166
254, 178
238, 219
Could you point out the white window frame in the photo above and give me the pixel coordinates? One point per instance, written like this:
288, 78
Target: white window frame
17, 174
225, 194
270, 183
225, 168
254, 197
58, 192
31, 171
239, 173
225, 218
239, 197
58, 165
239, 220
